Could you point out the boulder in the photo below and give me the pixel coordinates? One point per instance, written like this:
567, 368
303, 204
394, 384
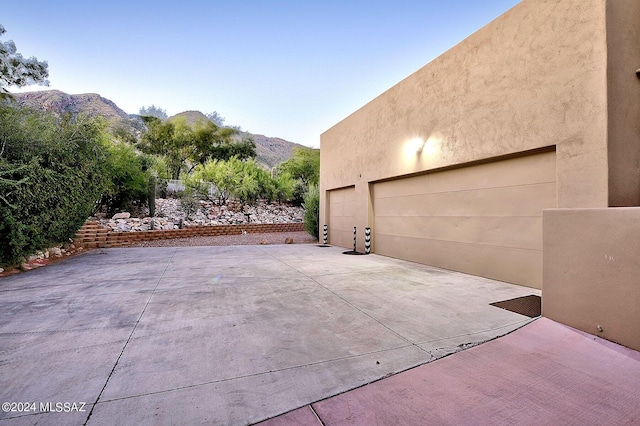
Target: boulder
288, 240
123, 227
123, 215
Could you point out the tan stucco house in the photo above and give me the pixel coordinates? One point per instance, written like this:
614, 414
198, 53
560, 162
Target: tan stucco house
513, 156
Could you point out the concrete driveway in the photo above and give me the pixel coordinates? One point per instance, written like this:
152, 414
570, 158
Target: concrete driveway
225, 335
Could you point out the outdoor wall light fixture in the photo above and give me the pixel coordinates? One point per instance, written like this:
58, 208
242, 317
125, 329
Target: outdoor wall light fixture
422, 148
416, 145
412, 149
638, 72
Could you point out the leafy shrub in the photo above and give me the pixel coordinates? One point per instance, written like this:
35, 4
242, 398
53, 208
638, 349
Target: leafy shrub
196, 185
128, 176
304, 165
216, 172
284, 186
299, 191
304, 169
311, 207
244, 180
12, 237
160, 170
52, 177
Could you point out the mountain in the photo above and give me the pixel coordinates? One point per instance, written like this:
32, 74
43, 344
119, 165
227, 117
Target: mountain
91, 104
270, 151
191, 117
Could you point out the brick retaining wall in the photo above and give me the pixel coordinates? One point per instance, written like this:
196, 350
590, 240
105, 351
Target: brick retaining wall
93, 235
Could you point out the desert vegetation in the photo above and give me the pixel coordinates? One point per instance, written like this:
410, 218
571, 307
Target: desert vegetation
56, 170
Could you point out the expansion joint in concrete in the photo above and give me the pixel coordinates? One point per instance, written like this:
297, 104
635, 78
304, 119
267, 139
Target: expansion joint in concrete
133, 330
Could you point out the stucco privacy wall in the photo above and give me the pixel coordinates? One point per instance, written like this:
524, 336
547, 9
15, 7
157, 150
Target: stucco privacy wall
535, 77
623, 50
592, 273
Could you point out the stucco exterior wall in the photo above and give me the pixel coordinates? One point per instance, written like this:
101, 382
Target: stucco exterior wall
534, 77
591, 278
548, 75
623, 50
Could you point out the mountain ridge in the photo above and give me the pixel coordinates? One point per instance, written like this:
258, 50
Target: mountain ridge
270, 151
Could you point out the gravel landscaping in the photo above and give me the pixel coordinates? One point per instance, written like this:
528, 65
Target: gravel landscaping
170, 214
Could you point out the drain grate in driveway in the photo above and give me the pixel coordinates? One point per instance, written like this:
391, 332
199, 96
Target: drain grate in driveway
530, 306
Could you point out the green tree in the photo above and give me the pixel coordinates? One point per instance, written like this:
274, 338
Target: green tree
52, 174
224, 179
8, 186
15, 70
304, 168
123, 134
128, 176
240, 180
304, 165
257, 183
160, 171
284, 187
244, 180
211, 141
224, 175
247, 188
159, 168
184, 146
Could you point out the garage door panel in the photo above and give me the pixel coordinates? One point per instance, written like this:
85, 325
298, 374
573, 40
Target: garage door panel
396, 188
342, 195
535, 169
505, 201
514, 232
528, 170
343, 223
487, 208
516, 266
341, 216
408, 205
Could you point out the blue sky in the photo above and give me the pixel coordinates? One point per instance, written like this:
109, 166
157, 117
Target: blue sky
285, 68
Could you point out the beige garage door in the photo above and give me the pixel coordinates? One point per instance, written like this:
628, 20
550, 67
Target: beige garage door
341, 216
483, 220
